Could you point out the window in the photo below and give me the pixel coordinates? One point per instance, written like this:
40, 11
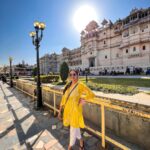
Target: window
143, 27
117, 55
126, 50
105, 56
104, 42
143, 15
134, 30
134, 49
144, 47
126, 33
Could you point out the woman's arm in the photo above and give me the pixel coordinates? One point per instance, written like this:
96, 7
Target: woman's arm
59, 113
86, 93
63, 99
62, 103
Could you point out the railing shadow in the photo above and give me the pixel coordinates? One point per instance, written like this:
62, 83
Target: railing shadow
38, 126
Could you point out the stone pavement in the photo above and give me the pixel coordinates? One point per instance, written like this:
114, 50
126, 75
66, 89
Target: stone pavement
22, 127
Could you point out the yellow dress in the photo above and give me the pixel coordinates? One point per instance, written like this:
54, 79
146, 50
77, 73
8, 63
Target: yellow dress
72, 115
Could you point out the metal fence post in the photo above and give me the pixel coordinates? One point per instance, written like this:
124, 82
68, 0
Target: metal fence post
22, 86
16, 83
54, 103
103, 125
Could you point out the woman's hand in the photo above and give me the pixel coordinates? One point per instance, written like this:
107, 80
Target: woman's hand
82, 101
59, 115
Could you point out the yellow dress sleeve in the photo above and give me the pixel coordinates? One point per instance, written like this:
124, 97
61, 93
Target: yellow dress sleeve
86, 92
63, 100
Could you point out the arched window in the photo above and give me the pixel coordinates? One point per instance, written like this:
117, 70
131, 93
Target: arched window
144, 47
134, 49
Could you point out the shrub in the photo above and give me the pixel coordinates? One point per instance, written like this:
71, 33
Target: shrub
15, 77
113, 88
48, 78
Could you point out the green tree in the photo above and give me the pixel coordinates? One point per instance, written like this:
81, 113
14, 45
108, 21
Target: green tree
5, 69
64, 70
34, 71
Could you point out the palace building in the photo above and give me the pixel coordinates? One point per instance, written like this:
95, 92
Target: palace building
48, 63
119, 46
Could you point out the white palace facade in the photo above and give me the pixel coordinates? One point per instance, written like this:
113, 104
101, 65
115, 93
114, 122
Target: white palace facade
113, 46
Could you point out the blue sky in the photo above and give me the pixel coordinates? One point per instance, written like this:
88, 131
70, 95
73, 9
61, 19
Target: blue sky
17, 17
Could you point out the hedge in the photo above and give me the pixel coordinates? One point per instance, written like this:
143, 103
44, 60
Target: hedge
106, 88
48, 78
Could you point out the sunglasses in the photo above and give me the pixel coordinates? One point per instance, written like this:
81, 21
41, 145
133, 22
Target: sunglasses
72, 74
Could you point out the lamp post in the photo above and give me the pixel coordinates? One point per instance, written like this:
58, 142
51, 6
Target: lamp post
86, 73
10, 61
36, 39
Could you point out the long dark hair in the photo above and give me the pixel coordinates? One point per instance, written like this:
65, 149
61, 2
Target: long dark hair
69, 84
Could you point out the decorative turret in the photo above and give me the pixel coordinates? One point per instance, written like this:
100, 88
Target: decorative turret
92, 26
82, 32
104, 22
133, 11
65, 49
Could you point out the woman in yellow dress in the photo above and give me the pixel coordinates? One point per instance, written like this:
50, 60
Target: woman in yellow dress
72, 105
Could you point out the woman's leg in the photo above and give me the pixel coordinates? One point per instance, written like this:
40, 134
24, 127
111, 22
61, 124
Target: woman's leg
72, 137
81, 143
78, 134
69, 147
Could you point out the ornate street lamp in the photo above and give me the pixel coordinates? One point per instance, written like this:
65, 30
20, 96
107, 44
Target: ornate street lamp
36, 39
11, 81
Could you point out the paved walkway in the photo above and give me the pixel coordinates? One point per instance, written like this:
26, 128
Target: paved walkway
22, 127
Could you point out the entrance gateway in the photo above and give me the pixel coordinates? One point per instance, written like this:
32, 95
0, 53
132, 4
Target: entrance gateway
92, 62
